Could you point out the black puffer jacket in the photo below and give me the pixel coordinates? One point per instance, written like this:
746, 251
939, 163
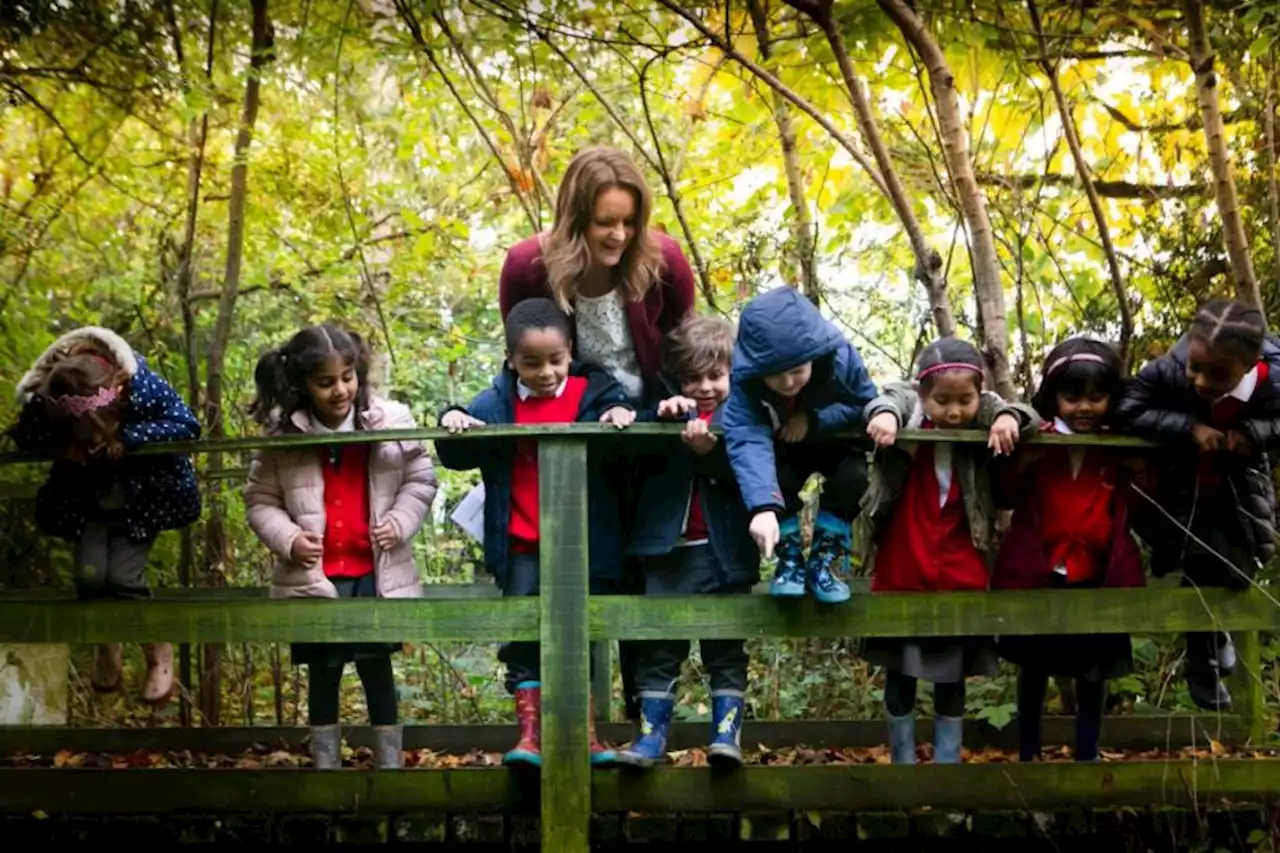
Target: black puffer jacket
1160, 403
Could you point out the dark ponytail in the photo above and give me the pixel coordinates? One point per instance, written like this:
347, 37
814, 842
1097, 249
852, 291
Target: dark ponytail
281, 374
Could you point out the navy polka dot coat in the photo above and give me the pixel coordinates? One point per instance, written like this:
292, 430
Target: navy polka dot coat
160, 491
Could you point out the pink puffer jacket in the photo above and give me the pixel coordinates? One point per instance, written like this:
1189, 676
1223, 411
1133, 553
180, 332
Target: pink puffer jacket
285, 497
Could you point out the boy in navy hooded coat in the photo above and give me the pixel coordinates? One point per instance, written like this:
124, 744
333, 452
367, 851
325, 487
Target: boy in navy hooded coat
690, 532
797, 383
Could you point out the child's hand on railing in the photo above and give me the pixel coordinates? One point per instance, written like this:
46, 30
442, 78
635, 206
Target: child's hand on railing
307, 549
698, 435
764, 530
795, 429
1208, 439
676, 407
457, 421
1004, 435
883, 429
1237, 443
619, 416
385, 535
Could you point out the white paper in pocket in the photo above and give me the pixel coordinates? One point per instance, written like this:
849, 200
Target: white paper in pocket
469, 513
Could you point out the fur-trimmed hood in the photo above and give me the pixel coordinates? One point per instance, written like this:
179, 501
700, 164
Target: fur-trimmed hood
112, 345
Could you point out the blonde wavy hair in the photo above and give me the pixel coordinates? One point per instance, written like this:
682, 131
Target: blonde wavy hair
565, 252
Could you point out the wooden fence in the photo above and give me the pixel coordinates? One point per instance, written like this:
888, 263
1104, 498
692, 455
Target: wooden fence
566, 620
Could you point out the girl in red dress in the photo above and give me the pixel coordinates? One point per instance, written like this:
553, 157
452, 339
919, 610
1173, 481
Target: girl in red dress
932, 518
1070, 531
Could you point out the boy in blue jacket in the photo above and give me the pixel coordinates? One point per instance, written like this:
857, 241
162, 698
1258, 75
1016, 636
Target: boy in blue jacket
690, 532
797, 382
539, 384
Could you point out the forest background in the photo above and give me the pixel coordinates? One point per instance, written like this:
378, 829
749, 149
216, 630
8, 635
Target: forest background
206, 177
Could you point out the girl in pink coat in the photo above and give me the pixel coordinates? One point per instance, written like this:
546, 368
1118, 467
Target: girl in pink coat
340, 519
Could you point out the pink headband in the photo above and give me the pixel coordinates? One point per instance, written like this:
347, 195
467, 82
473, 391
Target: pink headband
948, 365
78, 404
1080, 356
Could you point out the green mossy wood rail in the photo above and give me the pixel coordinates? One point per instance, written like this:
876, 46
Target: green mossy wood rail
1184, 783
565, 618
651, 430
219, 620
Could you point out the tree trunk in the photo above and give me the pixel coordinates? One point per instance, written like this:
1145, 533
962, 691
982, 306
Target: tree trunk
197, 135
1086, 180
1224, 185
801, 218
215, 533
1273, 182
988, 288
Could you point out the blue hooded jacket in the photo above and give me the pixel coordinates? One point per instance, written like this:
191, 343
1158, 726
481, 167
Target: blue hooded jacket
495, 458
663, 500
777, 331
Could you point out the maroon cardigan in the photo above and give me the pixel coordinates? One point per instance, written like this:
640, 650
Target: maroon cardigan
667, 303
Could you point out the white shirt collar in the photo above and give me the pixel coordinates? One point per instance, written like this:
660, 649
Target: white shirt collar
348, 423
1244, 390
524, 392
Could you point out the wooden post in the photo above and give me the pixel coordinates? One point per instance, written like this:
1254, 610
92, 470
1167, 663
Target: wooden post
602, 679
1246, 688
565, 650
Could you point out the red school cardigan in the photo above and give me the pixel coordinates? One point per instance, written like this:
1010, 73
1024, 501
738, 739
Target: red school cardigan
524, 276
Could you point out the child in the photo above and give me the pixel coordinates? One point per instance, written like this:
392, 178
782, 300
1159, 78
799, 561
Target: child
796, 383
930, 516
691, 533
86, 400
1070, 531
539, 384
1217, 392
339, 518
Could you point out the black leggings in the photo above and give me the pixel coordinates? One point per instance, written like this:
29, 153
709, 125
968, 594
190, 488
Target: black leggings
1091, 698
323, 683
900, 696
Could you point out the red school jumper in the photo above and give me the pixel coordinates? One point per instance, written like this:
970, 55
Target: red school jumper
348, 550
695, 525
560, 409
927, 546
1075, 489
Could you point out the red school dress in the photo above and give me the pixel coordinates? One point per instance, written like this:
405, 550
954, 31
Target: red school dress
1069, 532
927, 547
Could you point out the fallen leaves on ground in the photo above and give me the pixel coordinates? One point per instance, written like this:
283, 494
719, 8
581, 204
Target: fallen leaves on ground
278, 755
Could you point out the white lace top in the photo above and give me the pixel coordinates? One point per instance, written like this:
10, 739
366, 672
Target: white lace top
604, 337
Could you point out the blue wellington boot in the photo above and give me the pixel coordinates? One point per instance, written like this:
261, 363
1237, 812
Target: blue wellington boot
828, 559
902, 738
788, 577
727, 710
655, 721
948, 735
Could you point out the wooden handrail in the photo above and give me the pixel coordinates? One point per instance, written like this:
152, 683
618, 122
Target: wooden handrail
649, 430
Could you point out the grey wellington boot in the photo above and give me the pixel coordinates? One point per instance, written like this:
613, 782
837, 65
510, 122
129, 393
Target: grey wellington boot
902, 738
388, 747
948, 735
326, 747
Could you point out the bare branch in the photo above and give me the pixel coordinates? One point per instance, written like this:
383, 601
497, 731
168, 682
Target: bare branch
415, 30
1086, 180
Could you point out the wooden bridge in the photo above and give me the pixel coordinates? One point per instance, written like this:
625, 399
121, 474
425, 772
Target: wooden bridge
566, 620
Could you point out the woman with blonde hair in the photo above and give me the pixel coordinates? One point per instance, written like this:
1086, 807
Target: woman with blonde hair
623, 285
